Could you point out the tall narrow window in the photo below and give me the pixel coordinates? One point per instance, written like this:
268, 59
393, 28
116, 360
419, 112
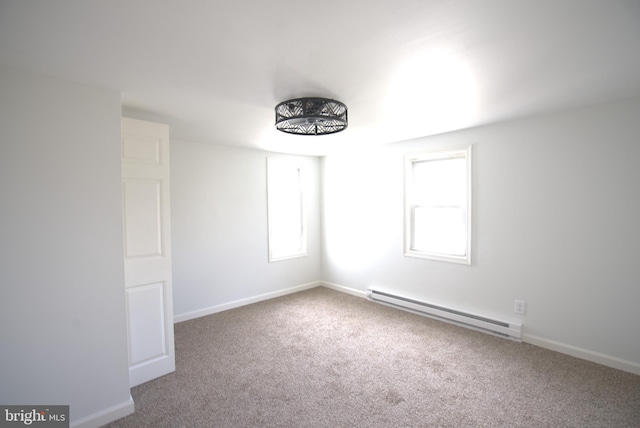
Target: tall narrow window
438, 205
286, 209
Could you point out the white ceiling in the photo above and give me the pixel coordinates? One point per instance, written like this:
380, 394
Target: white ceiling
215, 70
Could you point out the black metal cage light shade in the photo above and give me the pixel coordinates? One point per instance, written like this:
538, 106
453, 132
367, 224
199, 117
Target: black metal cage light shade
311, 116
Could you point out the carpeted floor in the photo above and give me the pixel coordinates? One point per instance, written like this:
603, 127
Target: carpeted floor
321, 358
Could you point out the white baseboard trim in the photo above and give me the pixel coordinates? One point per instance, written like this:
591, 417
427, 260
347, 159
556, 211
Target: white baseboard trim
343, 289
242, 302
574, 351
105, 416
585, 354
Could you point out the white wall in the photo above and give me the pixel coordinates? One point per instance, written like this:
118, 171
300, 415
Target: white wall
62, 307
556, 223
219, 230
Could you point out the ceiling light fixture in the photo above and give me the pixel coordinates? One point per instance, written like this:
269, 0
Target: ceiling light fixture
311, 116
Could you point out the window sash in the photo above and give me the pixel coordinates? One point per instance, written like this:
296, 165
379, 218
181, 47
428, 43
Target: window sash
438, 205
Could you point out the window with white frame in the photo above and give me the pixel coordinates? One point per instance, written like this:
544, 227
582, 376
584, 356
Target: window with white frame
438, 205
286, 209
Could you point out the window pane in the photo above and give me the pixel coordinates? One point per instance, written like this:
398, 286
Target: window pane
286, 211
285, 223
440, 182
440, 230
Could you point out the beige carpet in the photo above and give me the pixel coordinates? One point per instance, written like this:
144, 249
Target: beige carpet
320, 358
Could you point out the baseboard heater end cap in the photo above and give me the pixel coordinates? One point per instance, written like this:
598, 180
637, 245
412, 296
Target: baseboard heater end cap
369, 294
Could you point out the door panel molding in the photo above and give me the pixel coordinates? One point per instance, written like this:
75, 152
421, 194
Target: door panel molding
142, 205
146, 309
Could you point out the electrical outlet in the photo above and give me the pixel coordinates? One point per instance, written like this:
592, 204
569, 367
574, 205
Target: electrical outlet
520, 307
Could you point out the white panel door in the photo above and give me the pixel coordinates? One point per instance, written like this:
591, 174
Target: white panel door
147, 249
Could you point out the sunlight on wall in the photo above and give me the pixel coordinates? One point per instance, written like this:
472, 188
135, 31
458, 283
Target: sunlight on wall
432, 92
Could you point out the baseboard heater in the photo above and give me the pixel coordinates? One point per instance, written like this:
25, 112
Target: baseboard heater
509, 330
